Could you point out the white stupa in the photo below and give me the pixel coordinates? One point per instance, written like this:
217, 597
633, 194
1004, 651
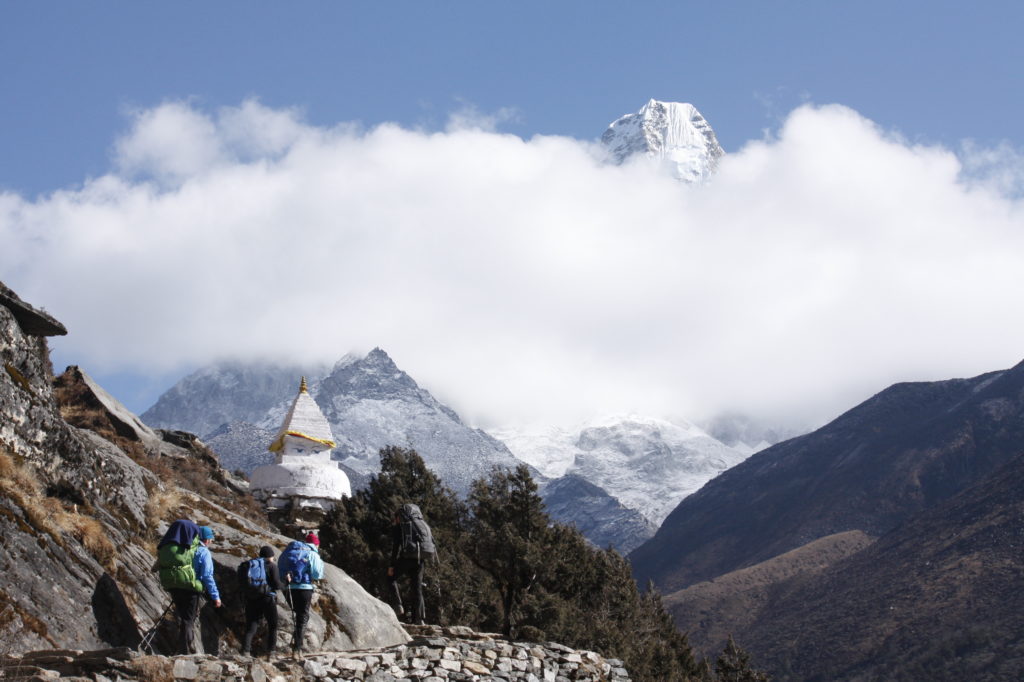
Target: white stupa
303, 478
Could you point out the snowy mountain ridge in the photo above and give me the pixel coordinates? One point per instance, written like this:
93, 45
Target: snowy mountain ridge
672, 133
648, 464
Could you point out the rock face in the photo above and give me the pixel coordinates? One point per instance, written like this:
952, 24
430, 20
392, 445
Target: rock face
600, 517
80, 518
434, 654
907, 449
672, 133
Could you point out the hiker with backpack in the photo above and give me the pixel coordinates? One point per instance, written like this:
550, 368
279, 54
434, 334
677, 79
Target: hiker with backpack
260, 582
412, 544
300, 565
186, 572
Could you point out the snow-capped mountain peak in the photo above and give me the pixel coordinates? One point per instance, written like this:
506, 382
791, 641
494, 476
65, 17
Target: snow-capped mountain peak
648, 464
674, 133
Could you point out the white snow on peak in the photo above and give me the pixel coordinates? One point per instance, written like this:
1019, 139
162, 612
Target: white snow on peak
649, 464
673, 133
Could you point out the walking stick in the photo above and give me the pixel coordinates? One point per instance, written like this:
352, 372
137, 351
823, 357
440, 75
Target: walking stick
147, 640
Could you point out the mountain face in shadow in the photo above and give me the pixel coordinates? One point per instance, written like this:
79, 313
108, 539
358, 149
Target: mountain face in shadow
907, 449
937, 598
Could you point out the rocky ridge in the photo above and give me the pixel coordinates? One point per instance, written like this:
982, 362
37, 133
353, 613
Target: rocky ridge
434, 654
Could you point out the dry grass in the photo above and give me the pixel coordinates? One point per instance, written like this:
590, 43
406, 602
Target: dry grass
162, 506
49, 515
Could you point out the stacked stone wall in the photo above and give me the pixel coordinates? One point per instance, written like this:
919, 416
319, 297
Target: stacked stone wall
434, 655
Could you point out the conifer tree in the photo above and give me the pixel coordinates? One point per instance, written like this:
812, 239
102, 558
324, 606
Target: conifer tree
508, 529
733, 665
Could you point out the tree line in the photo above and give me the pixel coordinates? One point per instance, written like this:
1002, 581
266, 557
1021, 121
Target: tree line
503, 565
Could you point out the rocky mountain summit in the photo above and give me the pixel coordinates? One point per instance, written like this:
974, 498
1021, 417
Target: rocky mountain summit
673, 134
369, 402
88, 490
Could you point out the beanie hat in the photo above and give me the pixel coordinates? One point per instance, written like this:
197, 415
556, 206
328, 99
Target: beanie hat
267, 552
205, 533
312, 539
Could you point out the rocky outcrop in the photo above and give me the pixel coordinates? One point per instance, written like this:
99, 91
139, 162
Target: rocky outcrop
81, 509
435, 654
32, 321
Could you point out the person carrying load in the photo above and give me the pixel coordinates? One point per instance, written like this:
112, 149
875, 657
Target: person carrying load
300, 564
260, 582
186, 572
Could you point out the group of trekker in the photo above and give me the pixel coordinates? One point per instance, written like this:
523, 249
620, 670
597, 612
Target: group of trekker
187, 573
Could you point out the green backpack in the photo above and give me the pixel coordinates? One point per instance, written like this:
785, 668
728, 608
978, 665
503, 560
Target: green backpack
175, 563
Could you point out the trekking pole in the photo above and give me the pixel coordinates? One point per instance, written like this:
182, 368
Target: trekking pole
288, 593
147, 640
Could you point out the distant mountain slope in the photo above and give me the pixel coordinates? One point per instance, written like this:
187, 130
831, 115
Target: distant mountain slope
939, 598
710, 611
227, 392
908, 448
241, 445
601, 518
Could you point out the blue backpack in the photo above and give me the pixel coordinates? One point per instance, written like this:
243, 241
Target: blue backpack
252, 577
295, 560
258, 576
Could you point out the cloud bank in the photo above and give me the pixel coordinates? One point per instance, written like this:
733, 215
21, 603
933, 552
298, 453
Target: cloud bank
524, 280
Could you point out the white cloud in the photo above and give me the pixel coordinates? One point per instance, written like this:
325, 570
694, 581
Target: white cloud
525, 280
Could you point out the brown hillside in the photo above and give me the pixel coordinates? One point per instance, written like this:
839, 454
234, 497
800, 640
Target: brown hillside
939, 598
710, 611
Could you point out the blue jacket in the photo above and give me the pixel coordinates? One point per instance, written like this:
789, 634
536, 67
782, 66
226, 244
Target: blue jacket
316, 568
202, 564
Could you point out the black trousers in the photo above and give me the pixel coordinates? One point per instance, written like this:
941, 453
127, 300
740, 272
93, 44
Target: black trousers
257, 609
186, 608
414, 569
301, 599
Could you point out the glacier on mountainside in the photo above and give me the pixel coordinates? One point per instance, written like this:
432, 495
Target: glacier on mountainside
672, 133
648, 464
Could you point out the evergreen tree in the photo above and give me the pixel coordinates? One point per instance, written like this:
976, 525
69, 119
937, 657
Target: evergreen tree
357, 537
503, 564
508, 527
733, 665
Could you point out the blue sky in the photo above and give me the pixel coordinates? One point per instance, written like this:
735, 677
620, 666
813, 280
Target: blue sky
937, 71
89, 90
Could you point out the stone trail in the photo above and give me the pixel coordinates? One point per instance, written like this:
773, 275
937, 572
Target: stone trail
435, 654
